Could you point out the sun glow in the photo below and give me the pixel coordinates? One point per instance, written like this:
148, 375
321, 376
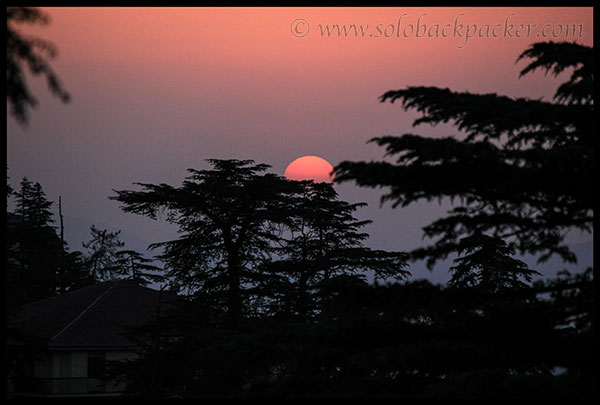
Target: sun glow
310, 168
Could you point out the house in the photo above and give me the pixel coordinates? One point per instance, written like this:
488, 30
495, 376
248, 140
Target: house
80, 331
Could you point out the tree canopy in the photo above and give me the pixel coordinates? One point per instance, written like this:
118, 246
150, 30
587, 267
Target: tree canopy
31, 53
39, 263
486, 262
223, 215
102, 252
233, 248
520, 168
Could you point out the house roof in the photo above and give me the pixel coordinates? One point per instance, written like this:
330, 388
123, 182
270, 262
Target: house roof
94, 316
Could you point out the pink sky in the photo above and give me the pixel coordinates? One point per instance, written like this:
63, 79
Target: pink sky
157, 91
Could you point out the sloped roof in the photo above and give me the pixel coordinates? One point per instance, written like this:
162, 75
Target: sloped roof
94, 316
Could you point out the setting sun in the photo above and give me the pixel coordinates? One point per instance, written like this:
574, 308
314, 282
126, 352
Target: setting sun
310, 168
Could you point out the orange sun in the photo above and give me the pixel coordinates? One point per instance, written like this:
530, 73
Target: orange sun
310, 168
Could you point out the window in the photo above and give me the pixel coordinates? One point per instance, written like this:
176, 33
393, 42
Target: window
95, 364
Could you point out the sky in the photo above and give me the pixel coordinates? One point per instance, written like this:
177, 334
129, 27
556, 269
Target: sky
156, 91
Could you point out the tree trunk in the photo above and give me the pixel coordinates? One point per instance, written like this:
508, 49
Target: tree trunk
234, 305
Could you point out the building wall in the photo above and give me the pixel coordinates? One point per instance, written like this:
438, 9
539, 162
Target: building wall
78, 364
66, 372
72, 364
64, 368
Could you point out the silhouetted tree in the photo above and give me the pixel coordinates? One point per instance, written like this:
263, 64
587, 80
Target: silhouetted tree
74, 271
102, 252
257, 247
322, 241
31, 52
32, 205
223, 215
293, 239
32, 258
34, 249
486, 262
522, 171
9, 189
133, 265
39, 263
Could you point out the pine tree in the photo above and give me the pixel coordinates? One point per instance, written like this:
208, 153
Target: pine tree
39, 263
23, 199
521, 172
32, 52
34, 249
133, 265
223, 216
32, 204
73, 272
486, 262
324, 241
102, 252
39, 207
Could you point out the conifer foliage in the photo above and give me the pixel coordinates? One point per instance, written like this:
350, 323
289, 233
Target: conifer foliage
39, 263
520, 169
249, 238
27, 53
102, 252
487, 263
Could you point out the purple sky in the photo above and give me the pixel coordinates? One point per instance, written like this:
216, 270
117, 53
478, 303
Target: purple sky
157, 91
